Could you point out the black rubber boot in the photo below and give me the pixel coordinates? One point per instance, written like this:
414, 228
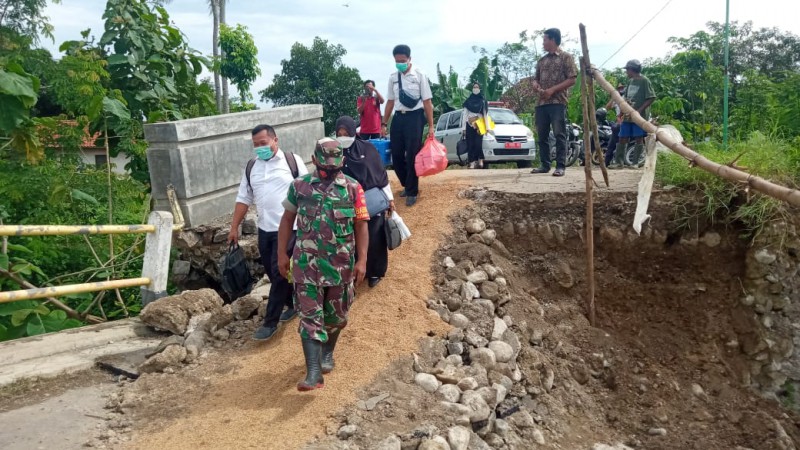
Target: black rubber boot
619, 154
313, 352
327, 352
638, 149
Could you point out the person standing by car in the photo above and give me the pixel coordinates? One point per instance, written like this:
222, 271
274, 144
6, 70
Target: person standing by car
369, 110
265, 183
363, 163
475, 107
555, 74
331, 215
409, 98
640, 95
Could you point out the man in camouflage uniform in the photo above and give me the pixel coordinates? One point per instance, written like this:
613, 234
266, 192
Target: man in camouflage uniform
332, 216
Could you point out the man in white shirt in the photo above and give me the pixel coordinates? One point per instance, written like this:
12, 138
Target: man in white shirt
266, 182
409, 95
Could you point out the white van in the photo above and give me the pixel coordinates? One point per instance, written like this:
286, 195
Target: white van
512, 141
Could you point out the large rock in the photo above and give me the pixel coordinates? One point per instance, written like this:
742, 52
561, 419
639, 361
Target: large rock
490, 290
390, 443
503, 352
195, 342
437, 443
484, 357
245, 307
474, 226
475, 441
489, 236
174, 312
499, 329
492, 271
458, 437
427, 382
459, 321
172, 356
449, 392
476, 253
469, 291
479, 409
478, 277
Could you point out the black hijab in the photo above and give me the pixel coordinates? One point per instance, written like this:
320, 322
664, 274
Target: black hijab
475, 103
362, 160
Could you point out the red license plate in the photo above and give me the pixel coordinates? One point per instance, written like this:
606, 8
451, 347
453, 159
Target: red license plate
513, 145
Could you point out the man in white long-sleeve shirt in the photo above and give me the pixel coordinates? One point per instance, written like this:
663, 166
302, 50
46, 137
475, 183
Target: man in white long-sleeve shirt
265, 182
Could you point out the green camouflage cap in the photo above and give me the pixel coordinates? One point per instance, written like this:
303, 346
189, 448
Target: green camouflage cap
329, 153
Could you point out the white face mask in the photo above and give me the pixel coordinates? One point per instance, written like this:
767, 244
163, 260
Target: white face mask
476, 91
346, 141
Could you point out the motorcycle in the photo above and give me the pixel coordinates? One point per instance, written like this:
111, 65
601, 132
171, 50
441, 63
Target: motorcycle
574, 144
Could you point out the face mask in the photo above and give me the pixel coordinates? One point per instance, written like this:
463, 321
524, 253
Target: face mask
402, 67
327, 173
476, 91
264, 153
346, 141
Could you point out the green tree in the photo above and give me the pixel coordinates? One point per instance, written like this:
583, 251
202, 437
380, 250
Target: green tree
148, 58
240, 63
316, 74
448, 95
25, 18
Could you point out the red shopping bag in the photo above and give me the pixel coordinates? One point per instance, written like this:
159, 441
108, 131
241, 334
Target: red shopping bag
432, 159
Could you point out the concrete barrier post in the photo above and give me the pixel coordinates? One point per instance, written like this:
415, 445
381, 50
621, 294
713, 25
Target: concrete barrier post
156, 256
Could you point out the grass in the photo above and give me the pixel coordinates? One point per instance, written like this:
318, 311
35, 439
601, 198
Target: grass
725, 202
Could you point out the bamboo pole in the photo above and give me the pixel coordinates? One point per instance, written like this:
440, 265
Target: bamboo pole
591, 106
587, 169
70, 312
56, 291
766, 187
64, 230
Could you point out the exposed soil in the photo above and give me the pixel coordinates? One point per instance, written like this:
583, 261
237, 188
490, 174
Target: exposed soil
244, 396
662, 368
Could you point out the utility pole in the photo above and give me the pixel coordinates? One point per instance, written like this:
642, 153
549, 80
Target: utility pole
727, 76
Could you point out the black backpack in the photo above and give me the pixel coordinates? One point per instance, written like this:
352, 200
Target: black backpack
236, 278
289, 160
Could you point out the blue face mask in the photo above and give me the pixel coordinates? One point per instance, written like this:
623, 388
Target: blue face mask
402, 67
264, 153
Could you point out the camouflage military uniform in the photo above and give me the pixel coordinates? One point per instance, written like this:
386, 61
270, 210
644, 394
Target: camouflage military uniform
324, 253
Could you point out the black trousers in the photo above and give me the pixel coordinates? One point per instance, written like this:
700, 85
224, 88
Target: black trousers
474, 144
554, 116
367, 136
406, 142
378, 251
612, 144
280, 291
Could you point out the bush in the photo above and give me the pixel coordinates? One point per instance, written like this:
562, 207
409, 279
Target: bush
61, 190
725, 202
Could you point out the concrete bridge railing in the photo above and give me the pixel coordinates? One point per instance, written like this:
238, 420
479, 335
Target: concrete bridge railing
203, 158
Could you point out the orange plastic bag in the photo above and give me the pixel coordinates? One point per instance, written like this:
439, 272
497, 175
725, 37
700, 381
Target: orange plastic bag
432, 159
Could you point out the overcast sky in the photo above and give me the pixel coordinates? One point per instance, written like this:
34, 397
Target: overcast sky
438, 31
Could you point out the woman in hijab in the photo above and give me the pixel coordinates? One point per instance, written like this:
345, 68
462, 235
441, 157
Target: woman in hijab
475, 107
363, 163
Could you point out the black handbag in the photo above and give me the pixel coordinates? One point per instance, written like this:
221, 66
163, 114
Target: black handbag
236, 278
407, 100
461, 149
393, 236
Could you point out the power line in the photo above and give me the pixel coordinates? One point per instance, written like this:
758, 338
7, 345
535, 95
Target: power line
637, 33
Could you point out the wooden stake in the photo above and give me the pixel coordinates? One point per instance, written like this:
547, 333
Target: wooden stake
587, 169
592, 107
